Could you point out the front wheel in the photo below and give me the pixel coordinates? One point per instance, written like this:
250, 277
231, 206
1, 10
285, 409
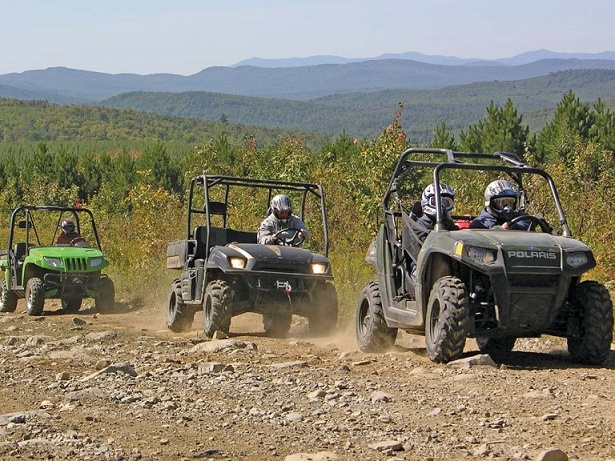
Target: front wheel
179, 316
447, 321
106, 295
323, 317
8, 298
35, 296
373, 334
216, 315
592, 302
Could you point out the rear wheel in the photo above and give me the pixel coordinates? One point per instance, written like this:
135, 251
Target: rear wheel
35, 296
71, 303
497, 348
179, 316
323, 317
8, 299
446, 325
277, 325
593, 303
216, 316
373, 334
106, 295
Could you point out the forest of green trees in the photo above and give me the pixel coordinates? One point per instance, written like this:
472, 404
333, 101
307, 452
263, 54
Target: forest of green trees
131, 170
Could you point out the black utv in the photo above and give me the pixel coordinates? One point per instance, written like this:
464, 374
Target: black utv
495, 285
224, 271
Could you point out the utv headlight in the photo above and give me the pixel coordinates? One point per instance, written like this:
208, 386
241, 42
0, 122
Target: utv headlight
95, 262
319, 268
480, 255
55, 262
575, 260
237, 263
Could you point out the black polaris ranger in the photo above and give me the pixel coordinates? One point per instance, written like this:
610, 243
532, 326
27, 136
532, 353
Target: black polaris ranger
225, 272
495, 285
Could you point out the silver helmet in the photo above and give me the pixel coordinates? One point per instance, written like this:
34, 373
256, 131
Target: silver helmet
281, 204
428, 199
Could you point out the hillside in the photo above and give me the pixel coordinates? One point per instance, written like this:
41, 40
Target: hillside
298, 83
31, 121
365, 114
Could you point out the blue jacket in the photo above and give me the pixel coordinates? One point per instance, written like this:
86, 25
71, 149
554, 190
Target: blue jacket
486, 221
428, 222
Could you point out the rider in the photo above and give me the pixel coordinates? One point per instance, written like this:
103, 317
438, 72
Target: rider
501, 200
68, 233
281, 217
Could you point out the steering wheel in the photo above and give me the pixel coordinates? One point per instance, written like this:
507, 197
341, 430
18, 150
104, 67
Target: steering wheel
535, 221
74, 242
295, 239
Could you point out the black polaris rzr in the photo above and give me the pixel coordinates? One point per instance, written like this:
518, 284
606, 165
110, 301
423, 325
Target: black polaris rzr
495, 285
225, 272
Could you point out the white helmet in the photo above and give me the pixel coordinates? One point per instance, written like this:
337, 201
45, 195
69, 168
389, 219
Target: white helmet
281, 203
501, 198
428, 200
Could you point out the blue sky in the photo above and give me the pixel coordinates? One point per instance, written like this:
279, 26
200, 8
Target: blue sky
186, 36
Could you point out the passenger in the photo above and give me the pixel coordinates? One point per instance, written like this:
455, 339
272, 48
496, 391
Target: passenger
281, 218
501, 200
428, 204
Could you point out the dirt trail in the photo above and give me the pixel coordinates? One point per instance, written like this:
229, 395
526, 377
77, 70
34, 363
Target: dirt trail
123, 387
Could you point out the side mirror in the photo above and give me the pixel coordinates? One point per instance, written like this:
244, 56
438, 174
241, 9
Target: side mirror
24, 225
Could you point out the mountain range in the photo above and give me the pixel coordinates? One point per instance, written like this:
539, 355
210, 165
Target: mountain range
524, 58
301, 82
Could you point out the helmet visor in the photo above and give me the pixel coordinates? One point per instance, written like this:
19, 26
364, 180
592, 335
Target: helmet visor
499, 203
447, 202
282, 214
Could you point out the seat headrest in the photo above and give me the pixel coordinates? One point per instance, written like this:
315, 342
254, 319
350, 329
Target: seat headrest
417, 209
216, 208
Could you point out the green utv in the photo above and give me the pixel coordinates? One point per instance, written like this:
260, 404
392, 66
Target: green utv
494, 285
36, 268
225, 272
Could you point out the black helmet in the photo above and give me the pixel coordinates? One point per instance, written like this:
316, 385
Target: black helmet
501, 198
68, 225
280, 204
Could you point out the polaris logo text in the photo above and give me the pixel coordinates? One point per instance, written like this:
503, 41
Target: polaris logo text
532, 254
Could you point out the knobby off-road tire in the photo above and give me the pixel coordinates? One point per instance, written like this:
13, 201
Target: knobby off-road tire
373, 334
447, 321
71, 303
497, 348
593, 303
277, 325
323, 317
216, 306
8, 299
106, 295
35, 296
179, 315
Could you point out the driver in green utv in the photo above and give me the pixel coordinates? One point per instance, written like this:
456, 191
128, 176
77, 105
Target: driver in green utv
69, 234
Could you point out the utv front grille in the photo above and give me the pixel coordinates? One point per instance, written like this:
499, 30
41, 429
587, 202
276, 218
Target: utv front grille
533, 280
76, 264
286, 268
